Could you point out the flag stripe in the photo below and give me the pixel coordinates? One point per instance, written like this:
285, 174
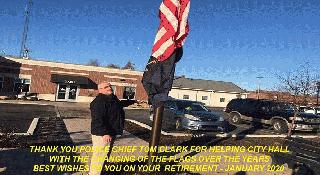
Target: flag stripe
165, 22
184, 19
170, 16
172, 6
163, 48
173, 28
164, 38
168, 51
175, 2
160, 34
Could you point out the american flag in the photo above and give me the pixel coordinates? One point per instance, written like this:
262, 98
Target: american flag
173, 28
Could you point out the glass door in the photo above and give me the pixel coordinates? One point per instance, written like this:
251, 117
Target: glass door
62, 89
72, 92
67, 92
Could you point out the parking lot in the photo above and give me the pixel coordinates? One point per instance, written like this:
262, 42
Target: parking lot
72, 120
19, 117
245, 128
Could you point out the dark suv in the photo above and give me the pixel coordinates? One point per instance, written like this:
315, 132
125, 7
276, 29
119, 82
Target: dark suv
190, 115
277, 114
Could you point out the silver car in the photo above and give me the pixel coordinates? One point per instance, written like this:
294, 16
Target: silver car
190, 115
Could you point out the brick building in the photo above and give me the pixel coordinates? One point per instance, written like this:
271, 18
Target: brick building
283, 96
66, 82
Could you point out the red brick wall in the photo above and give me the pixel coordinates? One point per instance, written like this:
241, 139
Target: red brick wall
41, 75
282, 96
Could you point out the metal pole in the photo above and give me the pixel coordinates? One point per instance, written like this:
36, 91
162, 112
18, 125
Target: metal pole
155, 132
291, 125
258, 91
318, 86
296, 110
25, 31
259, 78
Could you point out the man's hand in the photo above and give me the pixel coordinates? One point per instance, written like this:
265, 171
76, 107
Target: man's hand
106, 138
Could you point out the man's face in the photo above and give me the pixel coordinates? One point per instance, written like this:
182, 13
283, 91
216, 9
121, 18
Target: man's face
105, 88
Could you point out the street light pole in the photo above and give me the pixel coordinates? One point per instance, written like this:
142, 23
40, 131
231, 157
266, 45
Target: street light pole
318, 88
259, 78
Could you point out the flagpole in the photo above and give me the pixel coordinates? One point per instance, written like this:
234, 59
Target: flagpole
159, 73
155, 132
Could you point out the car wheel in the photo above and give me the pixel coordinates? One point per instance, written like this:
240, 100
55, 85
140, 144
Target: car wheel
235, 118
280, 126
178, 124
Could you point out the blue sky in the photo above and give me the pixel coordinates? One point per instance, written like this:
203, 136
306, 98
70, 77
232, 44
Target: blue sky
229, 40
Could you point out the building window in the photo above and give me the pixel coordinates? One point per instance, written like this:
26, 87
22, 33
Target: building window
222, 100
22, 85
1, 82
129, 92
185, 96
204, 97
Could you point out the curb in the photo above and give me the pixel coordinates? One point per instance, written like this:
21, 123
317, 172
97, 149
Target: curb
22, 103
135, 108
57, 111
162, 132
265, 136
33, 126
30, 131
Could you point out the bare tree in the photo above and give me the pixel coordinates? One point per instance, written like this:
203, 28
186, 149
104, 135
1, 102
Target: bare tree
300, 82
3, 52
129, 65
115, 66
93, 62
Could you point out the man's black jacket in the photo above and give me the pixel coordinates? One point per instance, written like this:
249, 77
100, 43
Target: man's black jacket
107, 115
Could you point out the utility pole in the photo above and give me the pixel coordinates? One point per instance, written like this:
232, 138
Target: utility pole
24, 51
259, 78
318, 91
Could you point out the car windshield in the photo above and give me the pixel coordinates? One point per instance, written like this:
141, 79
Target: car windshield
191, 106
285, 106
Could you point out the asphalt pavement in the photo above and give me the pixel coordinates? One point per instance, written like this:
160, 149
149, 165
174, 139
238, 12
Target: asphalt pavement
18, 117
74, 123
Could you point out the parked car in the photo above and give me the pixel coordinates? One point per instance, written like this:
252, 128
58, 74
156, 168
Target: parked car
28, 96
317, 110
190, 115
310, 109
277, 114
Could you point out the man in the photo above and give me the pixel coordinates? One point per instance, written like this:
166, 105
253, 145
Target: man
107, 122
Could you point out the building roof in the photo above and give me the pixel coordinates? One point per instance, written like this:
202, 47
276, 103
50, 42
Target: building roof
68, 66
189, 83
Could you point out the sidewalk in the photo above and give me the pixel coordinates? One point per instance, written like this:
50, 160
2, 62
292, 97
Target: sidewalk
79, 130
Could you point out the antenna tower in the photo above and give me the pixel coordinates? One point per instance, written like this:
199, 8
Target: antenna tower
24, 51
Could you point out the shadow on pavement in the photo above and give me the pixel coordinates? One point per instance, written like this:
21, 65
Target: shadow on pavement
50, 131
23, 162
303, 157
162, 166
